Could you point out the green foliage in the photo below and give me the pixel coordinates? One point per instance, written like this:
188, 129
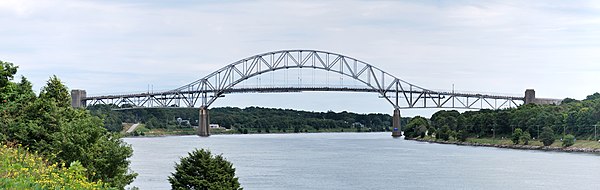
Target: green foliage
7, 73
594, 96
547, 136
516, 136
50, 126
431, 131
570, 117
525, 138
462, 135
568, 140
57, 92
112, 120
252, 118
20, 169
421, 131
569, 100
444, 133
417, 126
202, 170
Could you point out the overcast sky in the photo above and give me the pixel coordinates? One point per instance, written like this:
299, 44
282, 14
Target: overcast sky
484, 46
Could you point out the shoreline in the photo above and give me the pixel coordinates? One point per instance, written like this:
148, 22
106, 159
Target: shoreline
172, 134
518, 147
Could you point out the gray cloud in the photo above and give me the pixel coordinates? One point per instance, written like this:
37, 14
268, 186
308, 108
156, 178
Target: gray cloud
485, 46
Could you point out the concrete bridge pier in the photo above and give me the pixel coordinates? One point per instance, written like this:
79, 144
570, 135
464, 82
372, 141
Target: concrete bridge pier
203, 122
397, 128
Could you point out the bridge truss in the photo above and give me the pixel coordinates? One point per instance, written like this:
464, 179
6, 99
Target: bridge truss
399, 93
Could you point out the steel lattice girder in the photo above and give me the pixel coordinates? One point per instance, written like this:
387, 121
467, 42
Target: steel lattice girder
206, 90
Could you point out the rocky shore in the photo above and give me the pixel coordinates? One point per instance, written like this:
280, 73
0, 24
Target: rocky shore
522, 147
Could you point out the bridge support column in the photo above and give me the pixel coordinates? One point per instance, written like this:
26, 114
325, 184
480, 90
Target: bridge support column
77, 97
397, 128
203, 122
529, 96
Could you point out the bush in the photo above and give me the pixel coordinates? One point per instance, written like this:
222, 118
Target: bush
20, 169
462, 135
547, 136
202, 170
525, 138
568, 140
516, 136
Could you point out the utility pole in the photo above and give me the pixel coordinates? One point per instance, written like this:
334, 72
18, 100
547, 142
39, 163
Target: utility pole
494, 133
538, 128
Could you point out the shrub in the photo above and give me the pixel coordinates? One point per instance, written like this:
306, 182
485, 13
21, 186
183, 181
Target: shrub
525, 138
462, 135
516, 136
20, 169
547, 136
568, 140
202, 170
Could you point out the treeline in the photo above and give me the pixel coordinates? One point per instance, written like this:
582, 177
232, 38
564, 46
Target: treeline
572, 117
247, 120
47, 126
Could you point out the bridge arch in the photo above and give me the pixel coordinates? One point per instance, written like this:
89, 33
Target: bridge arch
218, 82
208, 89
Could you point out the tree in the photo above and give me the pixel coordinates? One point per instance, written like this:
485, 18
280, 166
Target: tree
547, 136
444, 133
7, 73
525, 138
516, 136
412, 128
462, 135
55, 90
568, 100
49, 126
593, 96
202, 170
568, 140
421, 131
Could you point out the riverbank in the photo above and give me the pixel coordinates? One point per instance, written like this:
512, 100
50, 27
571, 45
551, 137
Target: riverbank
579, 146
142, 131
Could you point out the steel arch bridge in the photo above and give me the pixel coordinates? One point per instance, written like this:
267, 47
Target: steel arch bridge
205, 91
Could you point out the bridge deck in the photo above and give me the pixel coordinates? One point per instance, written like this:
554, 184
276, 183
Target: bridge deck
301, 89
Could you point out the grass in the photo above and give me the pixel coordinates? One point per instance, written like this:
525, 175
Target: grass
557, 143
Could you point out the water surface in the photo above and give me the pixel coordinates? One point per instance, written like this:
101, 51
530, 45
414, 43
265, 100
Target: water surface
366, 161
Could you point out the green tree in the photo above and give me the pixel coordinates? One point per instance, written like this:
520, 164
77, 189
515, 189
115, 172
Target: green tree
547, 136
525, 138
593, 96
57, 91
7, 73
444, 133
202, 170
568, 140
516, 136
412, 128
421, 131
49, 126
462, 135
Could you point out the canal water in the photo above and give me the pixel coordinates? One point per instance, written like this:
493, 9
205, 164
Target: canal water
366, 161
